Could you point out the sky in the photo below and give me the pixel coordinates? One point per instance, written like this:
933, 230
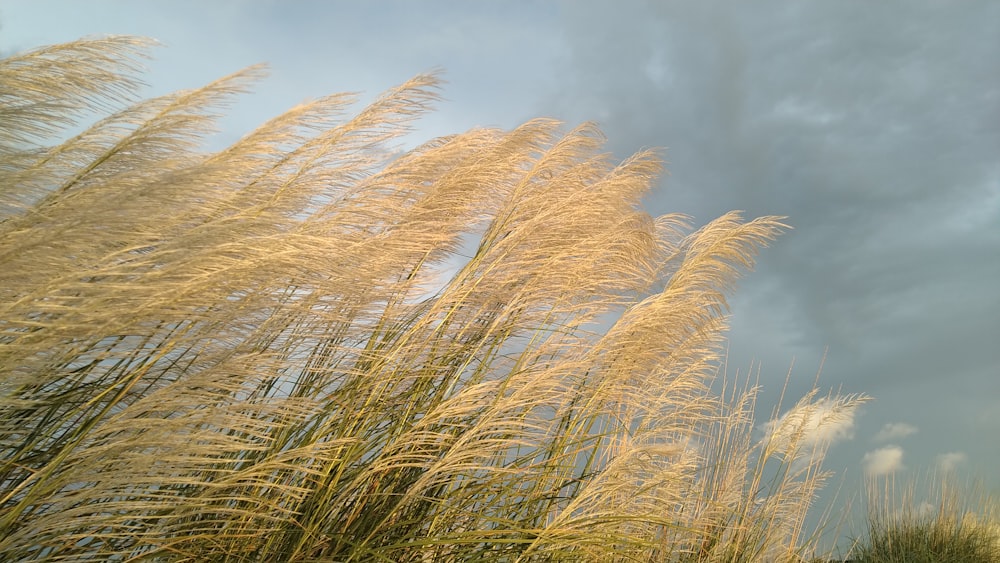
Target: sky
873, 126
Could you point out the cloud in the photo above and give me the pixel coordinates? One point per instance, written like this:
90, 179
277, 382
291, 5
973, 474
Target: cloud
812, 424
950, 461
894, 431
883, 460
867, 132
988, 416
926, 510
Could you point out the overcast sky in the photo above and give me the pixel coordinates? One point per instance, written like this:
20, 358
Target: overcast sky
874, 126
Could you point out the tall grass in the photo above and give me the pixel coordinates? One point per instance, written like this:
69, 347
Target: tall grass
310, 346
929, 520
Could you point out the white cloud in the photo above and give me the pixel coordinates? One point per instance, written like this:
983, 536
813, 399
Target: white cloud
951, 460
894, 431
926, 509
810, 425
883, 460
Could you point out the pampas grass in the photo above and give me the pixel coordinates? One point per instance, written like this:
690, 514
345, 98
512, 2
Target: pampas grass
311, 347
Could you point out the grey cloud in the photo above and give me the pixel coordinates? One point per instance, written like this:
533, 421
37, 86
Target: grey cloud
874, 128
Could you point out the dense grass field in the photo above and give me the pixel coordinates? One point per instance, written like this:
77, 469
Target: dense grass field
314, 346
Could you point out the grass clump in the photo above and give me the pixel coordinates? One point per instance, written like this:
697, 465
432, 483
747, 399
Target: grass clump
933, 523
309, 346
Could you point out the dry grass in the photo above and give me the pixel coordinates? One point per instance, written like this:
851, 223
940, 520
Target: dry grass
268, 354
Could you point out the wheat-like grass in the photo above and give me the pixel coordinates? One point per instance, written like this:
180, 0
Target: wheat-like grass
310, 347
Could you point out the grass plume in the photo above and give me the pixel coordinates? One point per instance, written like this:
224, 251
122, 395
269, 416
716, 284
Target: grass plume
308, 346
